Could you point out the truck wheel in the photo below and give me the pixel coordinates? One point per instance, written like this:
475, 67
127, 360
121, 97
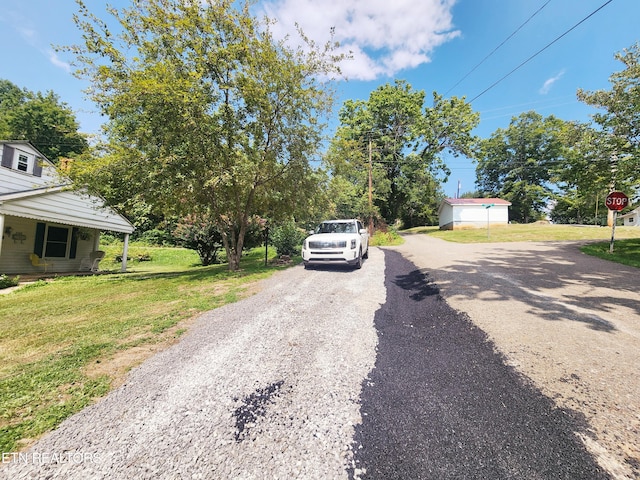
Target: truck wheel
359, 262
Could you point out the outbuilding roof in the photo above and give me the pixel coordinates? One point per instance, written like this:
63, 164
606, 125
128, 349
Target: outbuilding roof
476, 201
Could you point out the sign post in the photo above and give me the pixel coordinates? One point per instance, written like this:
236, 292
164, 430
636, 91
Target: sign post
615, 201
488, 206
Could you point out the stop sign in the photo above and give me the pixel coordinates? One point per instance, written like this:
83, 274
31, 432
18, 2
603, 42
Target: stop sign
616, 201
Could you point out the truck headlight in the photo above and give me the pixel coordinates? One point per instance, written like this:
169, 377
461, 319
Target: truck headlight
353, 244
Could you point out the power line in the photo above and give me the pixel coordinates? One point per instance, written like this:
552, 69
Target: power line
541, 50
498, 47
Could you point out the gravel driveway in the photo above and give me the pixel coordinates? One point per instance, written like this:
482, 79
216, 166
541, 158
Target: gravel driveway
263, 388
271, 387
568, 321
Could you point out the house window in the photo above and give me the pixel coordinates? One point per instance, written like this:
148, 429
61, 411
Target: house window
56, 241
23, 163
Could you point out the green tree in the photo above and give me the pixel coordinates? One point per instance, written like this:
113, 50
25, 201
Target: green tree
208, 113
583, 177
620, 121
11, 97
42, 119
517, 164
400, 140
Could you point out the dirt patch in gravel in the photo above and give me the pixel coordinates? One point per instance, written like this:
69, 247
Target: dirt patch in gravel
118, 365
569, 322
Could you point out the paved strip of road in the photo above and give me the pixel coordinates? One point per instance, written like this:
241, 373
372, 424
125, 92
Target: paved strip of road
568, 321
442, 404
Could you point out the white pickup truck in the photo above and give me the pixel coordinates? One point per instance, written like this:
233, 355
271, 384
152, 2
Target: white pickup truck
336, 241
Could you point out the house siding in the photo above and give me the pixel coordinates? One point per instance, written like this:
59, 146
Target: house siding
16, 181
15, 252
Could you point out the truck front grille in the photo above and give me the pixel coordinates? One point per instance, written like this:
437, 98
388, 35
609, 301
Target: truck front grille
327, 245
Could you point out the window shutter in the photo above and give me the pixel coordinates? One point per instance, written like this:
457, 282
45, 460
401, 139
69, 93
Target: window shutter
37, 167
39, 243
74, 242
7, 156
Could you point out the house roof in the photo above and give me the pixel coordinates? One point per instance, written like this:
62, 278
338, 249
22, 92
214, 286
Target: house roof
68, 207
31, 193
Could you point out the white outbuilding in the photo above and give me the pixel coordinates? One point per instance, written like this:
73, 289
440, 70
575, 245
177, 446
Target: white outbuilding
459, 213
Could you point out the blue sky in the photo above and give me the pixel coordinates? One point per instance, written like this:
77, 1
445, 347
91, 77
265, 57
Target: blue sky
433, 44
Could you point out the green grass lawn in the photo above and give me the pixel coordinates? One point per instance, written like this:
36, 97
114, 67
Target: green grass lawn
626, 251
66, 341
534, 232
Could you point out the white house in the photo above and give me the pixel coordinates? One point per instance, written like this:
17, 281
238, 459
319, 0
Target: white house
459, 213
631, 219
41, 214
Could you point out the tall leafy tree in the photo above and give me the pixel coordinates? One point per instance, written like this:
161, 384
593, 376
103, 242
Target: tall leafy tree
42, 119
517, 163
208, 113
583, 178
619, 119
399, 139
11, 97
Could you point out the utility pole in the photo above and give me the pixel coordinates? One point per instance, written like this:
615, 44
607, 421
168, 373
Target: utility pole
612, 186
370, 189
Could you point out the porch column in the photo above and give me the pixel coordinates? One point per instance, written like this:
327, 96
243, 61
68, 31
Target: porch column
96, 240
1, 231
125, 251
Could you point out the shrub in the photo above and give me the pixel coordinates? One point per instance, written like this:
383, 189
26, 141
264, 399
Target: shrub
199, 233
6, 282
108, 239
157, 237
287, 238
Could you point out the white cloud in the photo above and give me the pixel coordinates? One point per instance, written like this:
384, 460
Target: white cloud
55, 60
31, 37
384, 36
546, 87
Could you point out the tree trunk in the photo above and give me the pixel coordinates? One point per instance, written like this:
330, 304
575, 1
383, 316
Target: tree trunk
234, 242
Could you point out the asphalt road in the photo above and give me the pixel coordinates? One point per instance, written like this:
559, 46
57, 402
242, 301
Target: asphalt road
441, 403
567, 321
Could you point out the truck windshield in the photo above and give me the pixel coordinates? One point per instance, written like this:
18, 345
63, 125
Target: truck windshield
333, 227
